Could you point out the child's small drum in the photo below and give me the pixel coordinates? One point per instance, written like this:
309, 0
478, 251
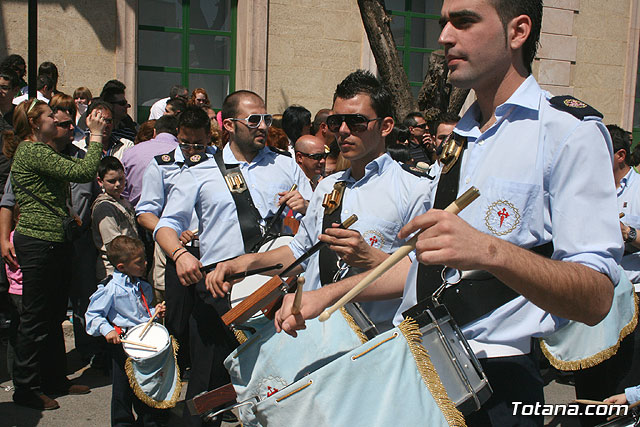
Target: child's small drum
153, 372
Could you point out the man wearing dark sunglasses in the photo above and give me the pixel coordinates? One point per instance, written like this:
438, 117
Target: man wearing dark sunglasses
377, 189
311, 157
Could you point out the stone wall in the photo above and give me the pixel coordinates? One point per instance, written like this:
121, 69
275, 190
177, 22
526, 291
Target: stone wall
312, 47
79, 36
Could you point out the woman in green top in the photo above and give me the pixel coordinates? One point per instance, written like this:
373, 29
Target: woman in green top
41, 250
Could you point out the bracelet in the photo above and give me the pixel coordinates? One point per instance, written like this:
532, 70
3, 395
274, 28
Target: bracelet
179, 255
176, 250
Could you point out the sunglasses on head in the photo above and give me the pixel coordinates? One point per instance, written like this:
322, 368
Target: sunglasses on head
64, 124
355, 122
316, 157
189, 146
254, 120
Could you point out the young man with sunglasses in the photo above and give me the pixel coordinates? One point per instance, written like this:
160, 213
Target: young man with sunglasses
377, 189
268, 176
311, 156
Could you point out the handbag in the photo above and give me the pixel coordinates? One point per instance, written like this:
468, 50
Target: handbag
70, 224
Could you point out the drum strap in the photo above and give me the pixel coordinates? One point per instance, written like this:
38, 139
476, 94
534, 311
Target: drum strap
470, 299
248, 216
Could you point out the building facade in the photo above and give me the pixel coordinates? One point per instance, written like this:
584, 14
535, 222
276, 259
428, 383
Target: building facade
296, 51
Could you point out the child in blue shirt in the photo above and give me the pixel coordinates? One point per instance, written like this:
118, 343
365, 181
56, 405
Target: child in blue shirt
119, 304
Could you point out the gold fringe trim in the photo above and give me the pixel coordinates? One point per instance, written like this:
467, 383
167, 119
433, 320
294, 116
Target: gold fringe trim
412, 334
354, 325
137, 390
597, 358
240, 336
286, 396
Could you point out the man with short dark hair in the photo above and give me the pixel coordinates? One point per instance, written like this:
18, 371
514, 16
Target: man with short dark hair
310, 155
319, 127
174, 107
44, 86
158, 109
522, 150
124, 128
8, 89
419, 137
444, 126
296, 121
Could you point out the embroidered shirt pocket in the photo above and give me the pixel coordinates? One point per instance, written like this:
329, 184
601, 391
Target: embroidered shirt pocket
377, 232
507, 207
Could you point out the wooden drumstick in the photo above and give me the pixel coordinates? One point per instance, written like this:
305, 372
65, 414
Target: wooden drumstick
138, 344
590, 402
146, 327
297, 301
460, 203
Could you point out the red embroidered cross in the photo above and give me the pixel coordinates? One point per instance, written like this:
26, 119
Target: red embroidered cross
373, 240
271, 391
503, 214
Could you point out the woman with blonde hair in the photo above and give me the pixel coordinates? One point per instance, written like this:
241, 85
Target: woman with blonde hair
40, 177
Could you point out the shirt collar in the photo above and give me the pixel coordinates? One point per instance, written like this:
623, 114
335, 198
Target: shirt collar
624, 182
124, 281
376, 166
527, 96
230, 158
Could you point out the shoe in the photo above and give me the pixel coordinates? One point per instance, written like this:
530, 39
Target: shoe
68, 389
35, 400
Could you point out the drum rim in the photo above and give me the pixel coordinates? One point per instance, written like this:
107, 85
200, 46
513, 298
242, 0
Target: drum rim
152, 353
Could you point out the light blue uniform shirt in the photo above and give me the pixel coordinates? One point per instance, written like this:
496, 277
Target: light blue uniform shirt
202, 190
118, 303
384, 199
536, 164
268, 174
157, 182
629, 204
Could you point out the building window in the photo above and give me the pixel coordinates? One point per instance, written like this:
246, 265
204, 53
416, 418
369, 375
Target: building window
415, 30
187, 42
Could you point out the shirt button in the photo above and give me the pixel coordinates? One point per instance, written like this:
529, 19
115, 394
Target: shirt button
346, 211
468, 180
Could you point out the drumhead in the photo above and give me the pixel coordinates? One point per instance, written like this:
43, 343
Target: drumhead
249, 285
157, 336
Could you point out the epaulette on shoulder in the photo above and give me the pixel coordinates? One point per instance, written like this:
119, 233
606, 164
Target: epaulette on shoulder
415, 171
105, 281
279, 151
165, 159
574, 106
196, 159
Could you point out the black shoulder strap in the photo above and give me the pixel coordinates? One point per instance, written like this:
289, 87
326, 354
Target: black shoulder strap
248, 216
429, 275
328, 260
279, 151
16, 183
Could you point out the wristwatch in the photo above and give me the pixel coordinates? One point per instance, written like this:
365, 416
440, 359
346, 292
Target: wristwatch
631, 236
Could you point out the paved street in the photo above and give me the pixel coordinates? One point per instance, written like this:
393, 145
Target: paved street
93, 409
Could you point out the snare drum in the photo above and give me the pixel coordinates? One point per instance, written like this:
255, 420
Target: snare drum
153, 372
157, 336
250, 284
461, 374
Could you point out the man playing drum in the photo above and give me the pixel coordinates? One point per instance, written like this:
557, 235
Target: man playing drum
523, 148
378, 190
202, 187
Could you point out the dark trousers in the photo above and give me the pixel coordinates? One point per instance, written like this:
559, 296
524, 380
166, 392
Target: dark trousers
610, 377
513, 379
211, 343
40, 357
123, 400
83, 285
180, 300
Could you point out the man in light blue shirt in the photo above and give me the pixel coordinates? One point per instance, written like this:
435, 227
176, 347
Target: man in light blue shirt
544, 174
269, 175
378, 190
